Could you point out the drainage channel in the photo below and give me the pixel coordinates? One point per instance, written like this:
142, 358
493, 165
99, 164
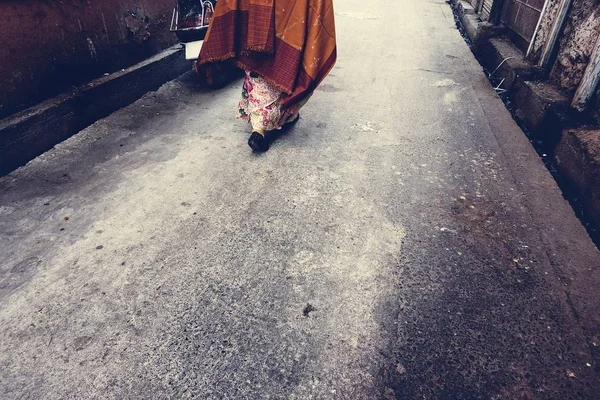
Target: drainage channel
544, 150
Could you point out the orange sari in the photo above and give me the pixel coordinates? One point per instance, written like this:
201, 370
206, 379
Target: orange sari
291, 44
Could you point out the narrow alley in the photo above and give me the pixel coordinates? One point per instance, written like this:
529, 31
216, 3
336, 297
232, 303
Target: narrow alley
403, 241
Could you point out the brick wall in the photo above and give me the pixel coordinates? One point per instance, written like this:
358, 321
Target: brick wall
48, 46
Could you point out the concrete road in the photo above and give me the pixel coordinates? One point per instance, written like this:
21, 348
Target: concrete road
403, 241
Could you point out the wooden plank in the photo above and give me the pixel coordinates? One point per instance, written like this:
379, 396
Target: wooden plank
590, 80
554, 36
543, 16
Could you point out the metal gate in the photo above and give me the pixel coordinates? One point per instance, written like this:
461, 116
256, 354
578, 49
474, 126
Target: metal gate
521, 17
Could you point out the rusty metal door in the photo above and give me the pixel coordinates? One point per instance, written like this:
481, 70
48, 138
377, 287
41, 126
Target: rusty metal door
521, 17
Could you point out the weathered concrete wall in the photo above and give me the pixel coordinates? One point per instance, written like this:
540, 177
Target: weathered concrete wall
576, 44
47, 46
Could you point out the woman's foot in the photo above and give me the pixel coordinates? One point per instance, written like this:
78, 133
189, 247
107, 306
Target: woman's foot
258, 142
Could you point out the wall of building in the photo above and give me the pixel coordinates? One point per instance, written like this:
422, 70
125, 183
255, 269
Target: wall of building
544, 30
49, 46
576, 44
521, 18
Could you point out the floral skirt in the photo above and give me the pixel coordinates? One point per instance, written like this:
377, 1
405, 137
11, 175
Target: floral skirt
261, 105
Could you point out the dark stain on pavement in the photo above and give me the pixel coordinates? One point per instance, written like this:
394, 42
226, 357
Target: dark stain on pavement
82, 342
308, 309
486, 320
18, 274
328, 88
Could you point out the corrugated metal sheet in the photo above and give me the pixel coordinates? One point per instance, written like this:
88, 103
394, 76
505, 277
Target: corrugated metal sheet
486, 9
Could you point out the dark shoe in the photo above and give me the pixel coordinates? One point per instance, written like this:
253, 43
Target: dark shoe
258, 142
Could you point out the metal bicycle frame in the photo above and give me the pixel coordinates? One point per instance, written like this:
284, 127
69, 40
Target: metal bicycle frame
175, 18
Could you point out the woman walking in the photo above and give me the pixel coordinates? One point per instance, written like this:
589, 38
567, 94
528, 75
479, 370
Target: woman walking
285, 47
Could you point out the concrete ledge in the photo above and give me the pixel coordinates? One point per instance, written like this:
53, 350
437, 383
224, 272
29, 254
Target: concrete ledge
471, 24
541, 108
477, 31
505, 61
578, 159
31, 132
464, 7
